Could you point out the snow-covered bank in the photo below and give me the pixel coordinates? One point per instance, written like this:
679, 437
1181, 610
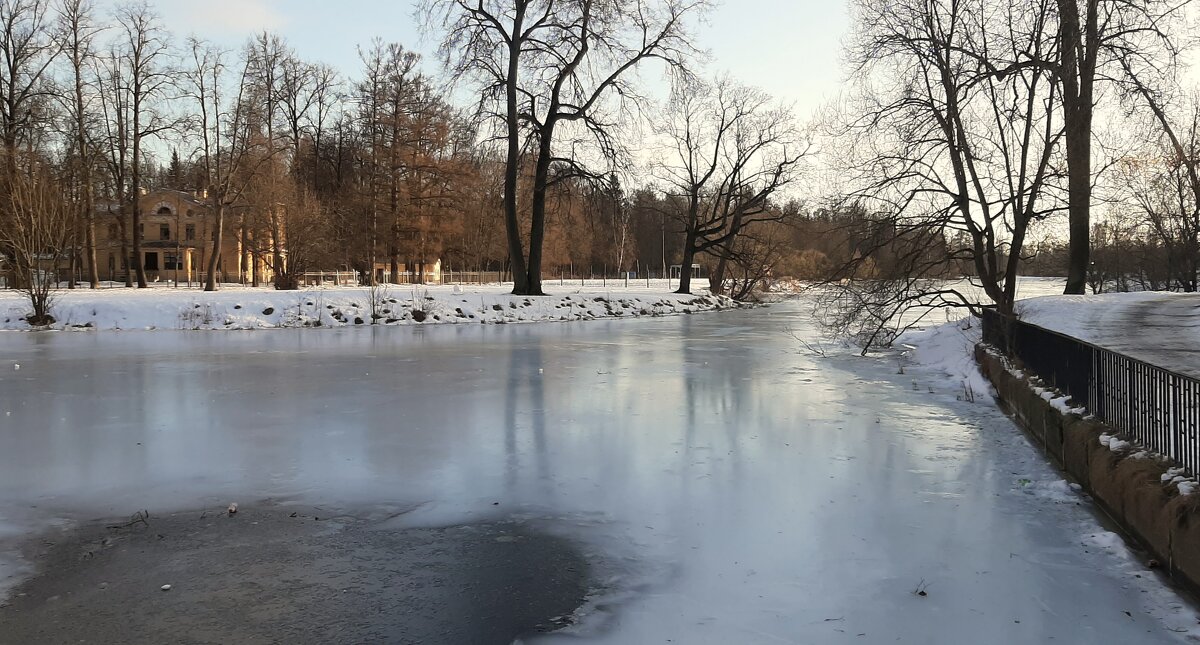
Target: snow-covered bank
262, 308
1157, 327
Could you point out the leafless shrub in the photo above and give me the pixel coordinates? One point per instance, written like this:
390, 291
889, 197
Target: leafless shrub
36, 234
197, 316
378, 296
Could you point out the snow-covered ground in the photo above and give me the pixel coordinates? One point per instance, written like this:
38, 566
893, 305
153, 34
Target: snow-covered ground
235, 307
1159, 328
732, 485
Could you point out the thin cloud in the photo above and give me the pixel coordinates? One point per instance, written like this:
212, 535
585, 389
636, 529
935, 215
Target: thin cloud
231, 17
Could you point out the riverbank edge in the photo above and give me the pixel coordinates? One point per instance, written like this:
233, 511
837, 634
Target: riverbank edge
250, 310
1135, 491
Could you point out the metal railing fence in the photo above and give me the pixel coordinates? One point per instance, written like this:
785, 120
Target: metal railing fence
1155, 406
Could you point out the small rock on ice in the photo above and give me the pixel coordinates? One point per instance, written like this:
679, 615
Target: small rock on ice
165, 587
233, 508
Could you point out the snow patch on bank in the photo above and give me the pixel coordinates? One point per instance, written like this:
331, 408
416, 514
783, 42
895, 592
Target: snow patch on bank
1159, 328
250, 308
1096, 318
946, 351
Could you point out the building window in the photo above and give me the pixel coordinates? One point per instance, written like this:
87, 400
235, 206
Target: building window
190, 231
164, 231
114, 232
165, 210
151, 262
172, 262
141, 231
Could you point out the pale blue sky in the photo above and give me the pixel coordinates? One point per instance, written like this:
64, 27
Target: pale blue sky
790, 48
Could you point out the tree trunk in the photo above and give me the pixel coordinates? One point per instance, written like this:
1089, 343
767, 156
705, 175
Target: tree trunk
279, 263
85, 163
128, 258
1079, 45
516, 252
689, 256
136, 190
89, 233
716, 281
73, 259
1079, 195
210, 281
537, 229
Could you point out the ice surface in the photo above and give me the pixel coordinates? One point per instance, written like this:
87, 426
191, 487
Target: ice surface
736, 488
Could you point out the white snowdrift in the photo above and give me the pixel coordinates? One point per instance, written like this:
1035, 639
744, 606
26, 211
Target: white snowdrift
1159, 328
251, 308
1098, 318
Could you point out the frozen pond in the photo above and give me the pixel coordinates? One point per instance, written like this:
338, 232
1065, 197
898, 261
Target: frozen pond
737, 490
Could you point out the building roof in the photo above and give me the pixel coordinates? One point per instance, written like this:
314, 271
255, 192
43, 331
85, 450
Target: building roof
181, 195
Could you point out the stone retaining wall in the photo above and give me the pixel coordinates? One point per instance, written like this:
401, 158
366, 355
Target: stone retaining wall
1129, 488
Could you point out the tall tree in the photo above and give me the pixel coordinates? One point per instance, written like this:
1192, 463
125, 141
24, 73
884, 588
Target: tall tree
27, 48
1165, 186
232, 150
730, 150
1079, 51
1093, 36
543, 65
78, 30
949, 162
146, 80
267, 57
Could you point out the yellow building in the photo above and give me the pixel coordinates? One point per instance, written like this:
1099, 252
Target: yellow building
176, 231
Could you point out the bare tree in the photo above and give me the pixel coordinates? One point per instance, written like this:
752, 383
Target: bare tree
77, 30
1163, 185
27, 49
542, 64
1092, 36
306, 227
327, 97
951, 162
146, 79
754, 256
39, 233
730, 150
114, 109
231, 150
